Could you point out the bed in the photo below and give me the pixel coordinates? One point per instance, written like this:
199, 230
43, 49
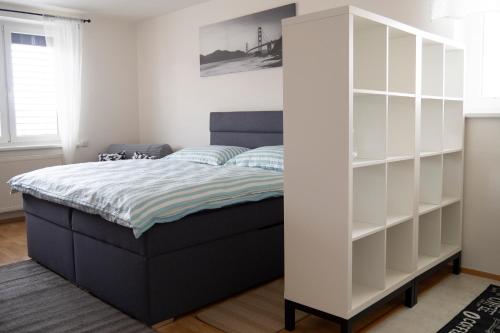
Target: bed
176, 267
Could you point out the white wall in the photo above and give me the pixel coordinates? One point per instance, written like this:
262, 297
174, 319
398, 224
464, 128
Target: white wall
109, 101
175, 103
481, 215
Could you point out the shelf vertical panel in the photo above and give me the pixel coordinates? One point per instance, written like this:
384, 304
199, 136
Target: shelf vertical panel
402, 60
452, 176
431, 126
399, 252
431, 170
318, 235
400, 190
369, 195
454, 74
453, 126
451, 226
369, 126
418, 141
429, 236
401, 126
368, 267
432, 68
370, 53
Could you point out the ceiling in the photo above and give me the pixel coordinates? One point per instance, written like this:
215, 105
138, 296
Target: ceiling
127, 9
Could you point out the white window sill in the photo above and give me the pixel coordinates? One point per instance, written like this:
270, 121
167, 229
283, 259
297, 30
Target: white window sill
483, 115
14, 147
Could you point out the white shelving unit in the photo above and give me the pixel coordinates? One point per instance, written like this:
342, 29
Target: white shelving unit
373, 146
432, 68
369, 211
431, 129
400, 191
402, 62
401, 128
431, 179
399, 261
453, 126
452, 178
369, 127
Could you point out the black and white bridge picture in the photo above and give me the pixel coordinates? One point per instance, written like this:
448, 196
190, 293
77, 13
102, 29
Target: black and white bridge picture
243, 44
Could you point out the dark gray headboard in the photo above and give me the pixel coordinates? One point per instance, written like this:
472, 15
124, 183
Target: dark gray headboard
246, 129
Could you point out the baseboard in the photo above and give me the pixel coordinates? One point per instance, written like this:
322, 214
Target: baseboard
481, 274
11, 217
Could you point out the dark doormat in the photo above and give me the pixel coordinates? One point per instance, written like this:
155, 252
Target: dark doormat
34, 299
482, 315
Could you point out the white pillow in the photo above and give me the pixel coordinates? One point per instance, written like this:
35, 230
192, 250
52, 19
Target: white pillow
268, 157
213, 155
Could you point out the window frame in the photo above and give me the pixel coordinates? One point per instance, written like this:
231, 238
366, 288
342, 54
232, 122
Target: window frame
7, 86
4, 107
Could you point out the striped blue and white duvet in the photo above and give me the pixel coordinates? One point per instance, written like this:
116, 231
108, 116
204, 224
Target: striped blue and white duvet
139, 193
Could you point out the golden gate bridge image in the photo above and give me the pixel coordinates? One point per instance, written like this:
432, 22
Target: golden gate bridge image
248, 43
269, 46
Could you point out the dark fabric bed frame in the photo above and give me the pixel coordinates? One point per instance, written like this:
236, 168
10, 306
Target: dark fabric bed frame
176, 267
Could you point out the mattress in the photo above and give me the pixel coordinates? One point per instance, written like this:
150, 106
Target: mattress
138, 194
195, 229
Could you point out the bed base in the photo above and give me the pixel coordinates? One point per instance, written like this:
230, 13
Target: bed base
156, 288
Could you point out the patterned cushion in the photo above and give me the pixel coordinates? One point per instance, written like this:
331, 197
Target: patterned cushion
102, 157
268, 157
143, 156
213, 155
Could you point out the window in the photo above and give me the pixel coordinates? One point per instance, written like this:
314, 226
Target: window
491, 56
27, 92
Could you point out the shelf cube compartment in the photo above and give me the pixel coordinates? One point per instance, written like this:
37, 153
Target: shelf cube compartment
369, 202
402, 60
431, 172
453, 125
368, 268
429, 237
431, 127
454, 78
399, 252
401, 127
400, 191
452, 177
451, 227
432, 68
369, 127
370, 55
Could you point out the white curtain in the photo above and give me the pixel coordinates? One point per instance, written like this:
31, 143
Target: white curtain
458, 9
65, 37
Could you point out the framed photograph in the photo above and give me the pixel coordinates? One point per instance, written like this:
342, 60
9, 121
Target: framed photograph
246, 43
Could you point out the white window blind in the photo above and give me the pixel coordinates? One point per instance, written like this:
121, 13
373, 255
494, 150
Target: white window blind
28, 103
33, 90
491, 55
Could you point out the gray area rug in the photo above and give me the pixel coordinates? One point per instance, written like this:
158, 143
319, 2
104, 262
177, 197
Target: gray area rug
34, 299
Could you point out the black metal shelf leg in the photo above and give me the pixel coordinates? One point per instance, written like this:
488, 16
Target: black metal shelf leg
411, 295
346, 326
457, 264
289, 315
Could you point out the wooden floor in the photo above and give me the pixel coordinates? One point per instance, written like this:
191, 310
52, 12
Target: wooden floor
12, 242
13, 249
